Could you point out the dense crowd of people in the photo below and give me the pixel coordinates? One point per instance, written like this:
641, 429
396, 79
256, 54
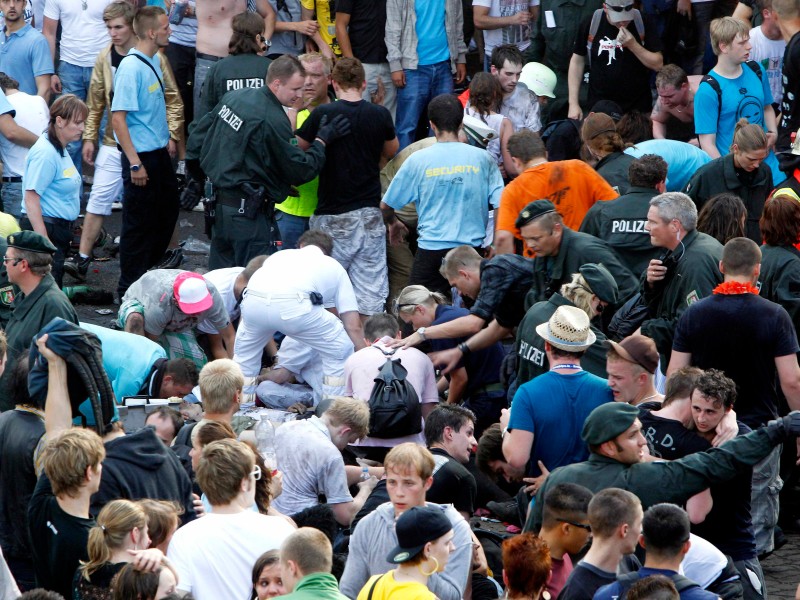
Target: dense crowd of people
501, 299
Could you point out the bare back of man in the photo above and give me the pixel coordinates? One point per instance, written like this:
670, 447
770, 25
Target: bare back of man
214, 28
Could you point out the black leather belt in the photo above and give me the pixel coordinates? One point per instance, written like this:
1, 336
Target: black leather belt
12, 179
210, 57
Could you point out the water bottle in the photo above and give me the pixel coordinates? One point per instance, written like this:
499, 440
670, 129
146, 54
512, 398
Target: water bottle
364, 473
177, 11
265, 442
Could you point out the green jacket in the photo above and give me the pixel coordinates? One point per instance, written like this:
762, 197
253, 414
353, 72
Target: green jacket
664, 481
780, 278
620, 223
531, 359
577, 249
7, 290
29, 314
232, 73
553, 46
719, 176
247, 138
694, 277
317, 586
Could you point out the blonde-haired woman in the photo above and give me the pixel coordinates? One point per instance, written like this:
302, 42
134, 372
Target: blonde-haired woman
476, 380
119, 537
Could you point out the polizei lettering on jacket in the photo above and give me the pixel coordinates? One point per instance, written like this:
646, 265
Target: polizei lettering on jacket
243, 82
230, 117
627, 226
531, 353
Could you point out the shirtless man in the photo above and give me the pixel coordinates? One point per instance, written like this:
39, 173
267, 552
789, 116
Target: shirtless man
673, 113
214, 30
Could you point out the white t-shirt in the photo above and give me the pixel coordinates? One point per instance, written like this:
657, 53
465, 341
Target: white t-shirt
519, 35
311, 466
306, 270
83, 32
769, 54
33, 115
214, 555
223, 280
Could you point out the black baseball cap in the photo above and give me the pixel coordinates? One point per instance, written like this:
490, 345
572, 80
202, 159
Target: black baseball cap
415, 528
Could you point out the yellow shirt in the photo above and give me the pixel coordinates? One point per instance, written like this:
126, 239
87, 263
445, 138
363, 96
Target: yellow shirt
327, 22
8, 224
389, 589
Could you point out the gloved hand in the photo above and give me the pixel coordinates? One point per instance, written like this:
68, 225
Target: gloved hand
192, 194
790, 424
337, 128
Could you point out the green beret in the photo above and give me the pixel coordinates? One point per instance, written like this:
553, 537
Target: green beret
534, 210
607, 421
601, 282
31, 241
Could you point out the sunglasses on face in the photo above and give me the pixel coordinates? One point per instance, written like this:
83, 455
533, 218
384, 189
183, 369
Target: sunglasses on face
625, 8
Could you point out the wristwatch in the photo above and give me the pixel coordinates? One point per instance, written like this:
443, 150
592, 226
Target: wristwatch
135, 168
421, 332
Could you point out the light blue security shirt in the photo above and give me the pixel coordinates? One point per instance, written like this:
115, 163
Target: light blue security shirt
432, 45
683, 160
137, 91
127, 358
55, 178
453, 186
25, 55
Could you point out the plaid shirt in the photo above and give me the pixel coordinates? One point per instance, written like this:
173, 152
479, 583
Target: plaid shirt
505, 281
401, 33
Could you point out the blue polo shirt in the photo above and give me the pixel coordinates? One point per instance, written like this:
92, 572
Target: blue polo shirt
138, 92
25, 55
55, 178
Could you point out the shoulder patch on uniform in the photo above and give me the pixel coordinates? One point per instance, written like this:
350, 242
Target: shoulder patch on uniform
692, 297
7, 295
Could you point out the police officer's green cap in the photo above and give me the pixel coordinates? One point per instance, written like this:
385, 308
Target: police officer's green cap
607, 421
534, 210
31, 241
601, 282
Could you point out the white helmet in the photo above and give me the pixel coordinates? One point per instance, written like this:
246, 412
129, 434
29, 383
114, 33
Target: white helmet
539, 79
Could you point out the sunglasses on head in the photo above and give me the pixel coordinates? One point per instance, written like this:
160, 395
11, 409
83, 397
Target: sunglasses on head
625, 8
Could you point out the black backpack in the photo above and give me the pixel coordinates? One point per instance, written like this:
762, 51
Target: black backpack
712, 81
394, 409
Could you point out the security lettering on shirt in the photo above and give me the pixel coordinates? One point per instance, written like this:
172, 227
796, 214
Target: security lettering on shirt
531, 353
628, 226
439, 171
230, 117
243, 82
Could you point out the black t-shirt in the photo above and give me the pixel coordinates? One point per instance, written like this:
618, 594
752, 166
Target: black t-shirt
584, 581
741, 335
350, 178
452, 483
99, 585
615, 72
669, 439
482, 366
367, 29
58, 540
505, 281
729, 525
790, 114
116, 58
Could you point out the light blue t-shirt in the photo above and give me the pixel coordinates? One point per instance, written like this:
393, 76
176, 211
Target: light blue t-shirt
682, 159
55, 178
553, 407
453, 186
127, 358
432, 45
137, 91
25, 55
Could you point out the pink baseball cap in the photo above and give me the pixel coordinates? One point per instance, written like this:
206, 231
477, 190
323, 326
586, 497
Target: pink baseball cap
191, 292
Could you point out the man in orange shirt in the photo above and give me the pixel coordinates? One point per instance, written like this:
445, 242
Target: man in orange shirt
571, 185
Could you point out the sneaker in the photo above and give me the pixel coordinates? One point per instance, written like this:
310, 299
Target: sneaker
200, 207
172, 259
77, 267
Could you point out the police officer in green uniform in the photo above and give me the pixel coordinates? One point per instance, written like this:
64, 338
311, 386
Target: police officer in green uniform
6, 290
246, 147
613, 433
243, 68
560, 252
620, 223
686, 273
28, 261
591, 289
